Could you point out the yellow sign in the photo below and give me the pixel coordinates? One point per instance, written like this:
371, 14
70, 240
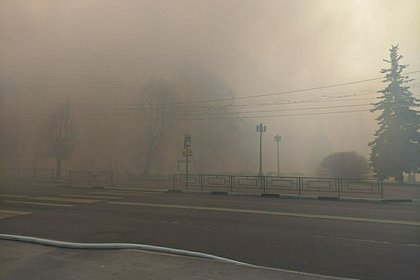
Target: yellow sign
187, 153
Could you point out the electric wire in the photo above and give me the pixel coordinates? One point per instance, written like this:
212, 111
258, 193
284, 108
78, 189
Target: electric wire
284, 92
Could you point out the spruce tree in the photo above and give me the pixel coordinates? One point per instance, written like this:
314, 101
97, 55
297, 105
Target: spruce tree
396, 145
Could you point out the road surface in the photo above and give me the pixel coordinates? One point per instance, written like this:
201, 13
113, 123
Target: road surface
346, 239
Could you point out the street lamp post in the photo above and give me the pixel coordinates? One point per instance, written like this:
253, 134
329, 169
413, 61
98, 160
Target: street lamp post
277, 138
261, 129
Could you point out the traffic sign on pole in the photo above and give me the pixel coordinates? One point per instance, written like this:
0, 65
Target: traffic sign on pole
187, 141
187, 153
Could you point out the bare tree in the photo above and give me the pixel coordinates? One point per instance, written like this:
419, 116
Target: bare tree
154, 119
60, 134
91, 146
215, 141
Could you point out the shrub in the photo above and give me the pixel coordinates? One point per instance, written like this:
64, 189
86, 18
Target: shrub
344, 165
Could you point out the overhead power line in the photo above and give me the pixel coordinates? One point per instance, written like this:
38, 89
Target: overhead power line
281, 92
271, 116
276, 110
134, 120
324, 98
216, 108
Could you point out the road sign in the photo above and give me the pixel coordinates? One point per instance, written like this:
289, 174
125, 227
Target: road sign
187, 153
187, 141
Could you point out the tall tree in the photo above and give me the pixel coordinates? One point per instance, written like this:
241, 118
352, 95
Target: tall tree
60, 134
215, 141
396, 145
154, 120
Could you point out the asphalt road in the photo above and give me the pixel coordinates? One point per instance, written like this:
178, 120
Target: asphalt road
347, 239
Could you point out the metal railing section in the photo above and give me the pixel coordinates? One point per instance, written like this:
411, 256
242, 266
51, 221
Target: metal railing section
280, 184
338, 187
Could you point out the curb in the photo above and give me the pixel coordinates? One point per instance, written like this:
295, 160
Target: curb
328, 198
397, 200
274, 195
355, 199
138, 189
285, 196
174, 191
218, 193
269, 195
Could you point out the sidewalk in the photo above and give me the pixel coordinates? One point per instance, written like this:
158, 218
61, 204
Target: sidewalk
30, 261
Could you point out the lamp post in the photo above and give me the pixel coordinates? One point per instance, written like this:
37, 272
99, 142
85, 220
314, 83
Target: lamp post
277, 138
261, 129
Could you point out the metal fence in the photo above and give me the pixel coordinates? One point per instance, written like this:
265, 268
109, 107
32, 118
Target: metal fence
336, 187
330, 187
72, 176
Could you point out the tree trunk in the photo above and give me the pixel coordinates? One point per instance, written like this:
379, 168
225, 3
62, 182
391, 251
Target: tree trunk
152, 153
58, 168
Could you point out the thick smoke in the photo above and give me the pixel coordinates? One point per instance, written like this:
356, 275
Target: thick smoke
99, 54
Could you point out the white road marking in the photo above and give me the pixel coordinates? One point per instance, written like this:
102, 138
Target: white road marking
91, 196
411, 245
11, 195
355, 239
366, 240
122, 193
38, 203
9, 213
288, 214
64, 199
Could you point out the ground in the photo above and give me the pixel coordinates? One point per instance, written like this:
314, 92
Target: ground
347, 239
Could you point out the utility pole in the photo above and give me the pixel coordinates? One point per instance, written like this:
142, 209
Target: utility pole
261, 129
277, 138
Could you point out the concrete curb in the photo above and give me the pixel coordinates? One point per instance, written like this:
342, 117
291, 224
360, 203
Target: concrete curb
274, 195
283, 196
174, 191
397, 200
355, 199
269, 195
138, 189
218, 193
328, 198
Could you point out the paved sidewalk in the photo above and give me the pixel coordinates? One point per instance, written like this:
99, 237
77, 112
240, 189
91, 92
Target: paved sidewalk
30, 261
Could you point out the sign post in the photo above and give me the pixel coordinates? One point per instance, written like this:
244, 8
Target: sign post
187, 153
277, 138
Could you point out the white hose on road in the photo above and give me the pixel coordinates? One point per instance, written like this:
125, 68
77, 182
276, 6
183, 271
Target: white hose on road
110, 246
150, 248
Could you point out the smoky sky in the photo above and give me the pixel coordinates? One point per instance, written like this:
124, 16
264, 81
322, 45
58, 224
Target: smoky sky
51, 50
